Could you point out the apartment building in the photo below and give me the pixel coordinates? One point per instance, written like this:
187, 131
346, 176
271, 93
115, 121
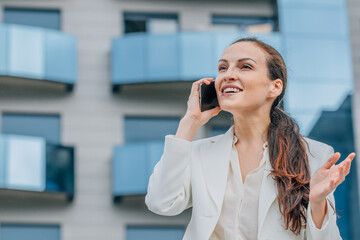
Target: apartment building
89, 89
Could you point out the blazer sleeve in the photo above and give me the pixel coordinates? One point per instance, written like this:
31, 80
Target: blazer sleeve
329, 229
169, 189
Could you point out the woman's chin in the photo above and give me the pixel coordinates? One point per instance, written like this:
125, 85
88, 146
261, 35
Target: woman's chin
228, 107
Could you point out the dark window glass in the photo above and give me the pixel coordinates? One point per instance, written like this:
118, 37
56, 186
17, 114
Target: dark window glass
46, 126
240, 23
154, 23
149, 128
33, 17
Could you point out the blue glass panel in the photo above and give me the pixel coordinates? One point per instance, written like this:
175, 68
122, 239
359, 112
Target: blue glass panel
154, 233
29, 232
23, 169
46, 126
26, 52
329, 21
148, 129
199, 65
139, 58
130, 169
163, 57
3, 50
313, 58
129, 59
33, 17
60, 55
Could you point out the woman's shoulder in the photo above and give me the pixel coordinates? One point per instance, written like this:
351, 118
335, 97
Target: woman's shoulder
318, 153
317, 146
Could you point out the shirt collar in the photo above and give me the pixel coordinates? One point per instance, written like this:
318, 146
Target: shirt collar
235, 139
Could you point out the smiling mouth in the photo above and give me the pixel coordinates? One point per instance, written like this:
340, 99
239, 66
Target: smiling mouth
230, 90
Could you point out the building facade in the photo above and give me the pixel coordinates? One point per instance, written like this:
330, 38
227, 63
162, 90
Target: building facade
89, 89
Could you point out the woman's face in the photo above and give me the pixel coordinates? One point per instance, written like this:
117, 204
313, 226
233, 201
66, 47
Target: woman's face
242, 82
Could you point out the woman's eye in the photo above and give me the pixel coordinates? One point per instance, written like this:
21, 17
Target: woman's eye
246, 66
222, 68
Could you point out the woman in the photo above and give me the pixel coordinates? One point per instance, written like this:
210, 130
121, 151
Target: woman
259, 180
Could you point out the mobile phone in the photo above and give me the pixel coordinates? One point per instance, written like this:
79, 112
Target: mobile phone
208, 97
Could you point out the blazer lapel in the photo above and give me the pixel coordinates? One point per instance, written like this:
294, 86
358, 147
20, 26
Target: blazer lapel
267, 195
215, 158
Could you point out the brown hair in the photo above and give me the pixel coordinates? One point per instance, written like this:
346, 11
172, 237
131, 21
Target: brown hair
287, 150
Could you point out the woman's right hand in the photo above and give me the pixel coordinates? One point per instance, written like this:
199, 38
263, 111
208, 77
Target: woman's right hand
194, 118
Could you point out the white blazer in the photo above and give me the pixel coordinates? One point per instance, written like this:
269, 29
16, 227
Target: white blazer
195, 174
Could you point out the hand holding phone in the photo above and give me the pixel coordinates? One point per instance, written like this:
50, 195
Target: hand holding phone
208, 97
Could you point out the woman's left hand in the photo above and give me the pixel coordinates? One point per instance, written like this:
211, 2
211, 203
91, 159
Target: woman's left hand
328, 177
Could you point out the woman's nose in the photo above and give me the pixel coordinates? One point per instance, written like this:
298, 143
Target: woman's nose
230, 75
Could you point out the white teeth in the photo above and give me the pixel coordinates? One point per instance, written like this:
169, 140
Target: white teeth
235, 90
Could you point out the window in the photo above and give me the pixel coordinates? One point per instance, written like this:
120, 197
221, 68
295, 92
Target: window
29, 232
149, 128
33, 17
239, 23
152, 23
46, 126
154, 233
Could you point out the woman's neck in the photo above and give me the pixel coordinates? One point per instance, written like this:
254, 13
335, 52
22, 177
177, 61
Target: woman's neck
251, 129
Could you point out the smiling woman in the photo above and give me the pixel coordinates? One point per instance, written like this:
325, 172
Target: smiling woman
259, 180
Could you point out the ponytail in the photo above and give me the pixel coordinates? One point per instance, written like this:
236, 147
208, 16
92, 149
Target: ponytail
290, 169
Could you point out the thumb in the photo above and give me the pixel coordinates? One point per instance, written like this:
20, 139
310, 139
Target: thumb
215, 111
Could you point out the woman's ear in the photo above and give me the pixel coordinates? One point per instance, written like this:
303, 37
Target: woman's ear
276, 88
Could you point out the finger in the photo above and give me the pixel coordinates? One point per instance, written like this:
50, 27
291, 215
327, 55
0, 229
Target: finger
204, 80
196, 84
332, 160
347, 163
351, 156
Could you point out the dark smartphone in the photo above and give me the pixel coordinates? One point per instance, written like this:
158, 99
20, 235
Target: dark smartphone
208, 98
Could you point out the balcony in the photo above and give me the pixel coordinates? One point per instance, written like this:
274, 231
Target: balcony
30, 165
184, 56
38, 54
132, 165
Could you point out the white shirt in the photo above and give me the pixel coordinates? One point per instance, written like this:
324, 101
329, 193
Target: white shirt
239, 214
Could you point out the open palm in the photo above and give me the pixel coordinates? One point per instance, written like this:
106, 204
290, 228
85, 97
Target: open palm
328, 177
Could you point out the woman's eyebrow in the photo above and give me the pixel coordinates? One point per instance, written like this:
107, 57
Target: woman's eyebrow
240, 60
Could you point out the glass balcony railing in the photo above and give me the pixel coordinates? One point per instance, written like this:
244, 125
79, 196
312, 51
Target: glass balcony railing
37, 53
133, 164
30, 164
183, 56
